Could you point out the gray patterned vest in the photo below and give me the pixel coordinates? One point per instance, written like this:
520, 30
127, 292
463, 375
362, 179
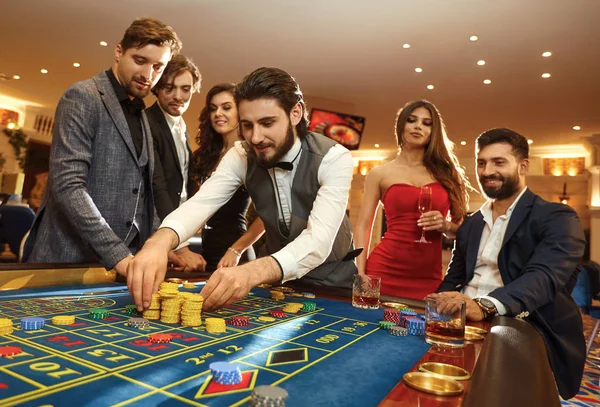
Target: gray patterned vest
335, 271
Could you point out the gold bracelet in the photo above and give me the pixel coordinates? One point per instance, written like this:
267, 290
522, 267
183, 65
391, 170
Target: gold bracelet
235, 251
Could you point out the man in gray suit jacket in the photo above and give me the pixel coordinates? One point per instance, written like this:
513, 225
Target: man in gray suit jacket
98, 203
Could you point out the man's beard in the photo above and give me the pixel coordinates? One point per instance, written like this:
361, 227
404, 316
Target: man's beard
133, 90
509, 186
279, 152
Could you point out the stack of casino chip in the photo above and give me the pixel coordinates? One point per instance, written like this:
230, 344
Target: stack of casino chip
270, 396
63, 320
225, 373
191, 309
277, 295
398, 330
293, 307
215, 325
32, 323
160, 338
99, 313
138, 323
153, 310
266, 319
239, 320
386, 324
404, 314
309, 306
6, 326
189, 285
308, 295
277, 313
392, 315
167, 289
131, 309
170, 309
415, 325
7, 351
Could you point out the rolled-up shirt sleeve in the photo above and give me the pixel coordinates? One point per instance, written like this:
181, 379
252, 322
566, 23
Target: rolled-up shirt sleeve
313, 245
214, 193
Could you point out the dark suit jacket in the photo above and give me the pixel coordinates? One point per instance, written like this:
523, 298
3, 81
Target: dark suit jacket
87, 213
538, 263
167, 179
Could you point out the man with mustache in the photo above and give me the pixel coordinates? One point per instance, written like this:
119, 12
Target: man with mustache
518, 256
171, 179
98, 204
298, 182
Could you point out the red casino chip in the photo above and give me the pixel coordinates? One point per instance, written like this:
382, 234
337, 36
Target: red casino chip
278, 314
160, 338
10, 350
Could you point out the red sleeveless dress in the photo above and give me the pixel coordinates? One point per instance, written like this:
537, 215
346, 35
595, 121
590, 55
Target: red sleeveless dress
408, 269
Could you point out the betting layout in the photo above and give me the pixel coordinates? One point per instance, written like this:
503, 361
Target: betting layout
92, 344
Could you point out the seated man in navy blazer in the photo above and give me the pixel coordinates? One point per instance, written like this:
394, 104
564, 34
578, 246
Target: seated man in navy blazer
518, 256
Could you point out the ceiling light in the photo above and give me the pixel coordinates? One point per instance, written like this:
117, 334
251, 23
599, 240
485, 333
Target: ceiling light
481, 62
419, 70
406, 46
473, 38
16, 77
76, 64
44, 70
546, 54
530, 141
376, 145
104, 43
576, 127
487, 81
546, 75
463, 143
430, 86
11, 125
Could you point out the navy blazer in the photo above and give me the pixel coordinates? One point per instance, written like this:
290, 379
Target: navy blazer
538, 262
167, 179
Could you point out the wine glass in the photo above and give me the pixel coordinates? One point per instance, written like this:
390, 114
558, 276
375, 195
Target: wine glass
424, 206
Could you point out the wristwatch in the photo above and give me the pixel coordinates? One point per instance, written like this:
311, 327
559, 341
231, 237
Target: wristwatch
487, 306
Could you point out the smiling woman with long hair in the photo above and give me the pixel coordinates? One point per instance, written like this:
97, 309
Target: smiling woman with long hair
409, 266
225, 238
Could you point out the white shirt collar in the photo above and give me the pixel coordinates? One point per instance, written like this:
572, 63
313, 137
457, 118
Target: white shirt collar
486, 208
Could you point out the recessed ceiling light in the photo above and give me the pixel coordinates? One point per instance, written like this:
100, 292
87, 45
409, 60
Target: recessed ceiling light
44, 71
530, 141
547, 54
16, 77
406, 46
11, 125
546, 75
481, 62
76, 64
487, 81
463, 143
576, 127
473, 38
376, 145
104, 43
418, 69
430, 86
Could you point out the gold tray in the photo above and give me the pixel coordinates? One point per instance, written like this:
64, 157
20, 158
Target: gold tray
396, 305
475, 330
470, 336
445, 370
433, 384
176, 280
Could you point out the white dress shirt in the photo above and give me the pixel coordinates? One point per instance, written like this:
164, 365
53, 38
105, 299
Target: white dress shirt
178, 129
313, 245
486, 277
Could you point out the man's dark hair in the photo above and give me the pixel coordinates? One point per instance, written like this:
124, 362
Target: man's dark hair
520, 147
273, 83
145, 31
176, 66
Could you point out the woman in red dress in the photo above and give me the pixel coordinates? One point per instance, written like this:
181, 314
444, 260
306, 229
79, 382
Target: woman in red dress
409, 268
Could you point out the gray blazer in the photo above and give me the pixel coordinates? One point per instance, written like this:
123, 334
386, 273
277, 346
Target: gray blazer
96, 182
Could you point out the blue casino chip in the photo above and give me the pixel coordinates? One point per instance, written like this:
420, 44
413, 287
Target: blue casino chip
32, 323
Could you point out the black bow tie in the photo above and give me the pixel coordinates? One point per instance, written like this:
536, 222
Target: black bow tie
284, 165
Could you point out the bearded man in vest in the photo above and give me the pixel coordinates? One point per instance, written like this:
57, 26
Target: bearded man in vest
299, 183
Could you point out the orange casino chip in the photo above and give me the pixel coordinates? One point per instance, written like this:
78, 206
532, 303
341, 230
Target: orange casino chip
10, 350
160, 338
